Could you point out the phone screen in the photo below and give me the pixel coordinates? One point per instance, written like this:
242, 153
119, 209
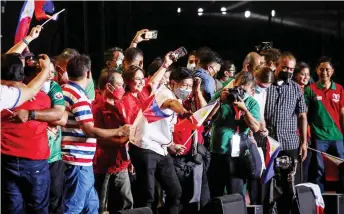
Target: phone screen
180, 52
151, 34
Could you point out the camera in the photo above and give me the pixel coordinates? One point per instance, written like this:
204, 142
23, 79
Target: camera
235, 93
264, 46
286, 163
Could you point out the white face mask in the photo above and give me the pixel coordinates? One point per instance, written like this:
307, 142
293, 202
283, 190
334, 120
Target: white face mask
260, 89
191, 66
119, 62
46, 87
182, 94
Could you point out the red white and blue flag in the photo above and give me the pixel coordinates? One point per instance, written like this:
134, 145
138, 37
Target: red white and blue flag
40, 8
198, 118
25, 17
272, 149
151, 110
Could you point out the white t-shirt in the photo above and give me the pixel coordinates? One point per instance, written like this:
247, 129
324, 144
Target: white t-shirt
260, 97
155, 136
9, 97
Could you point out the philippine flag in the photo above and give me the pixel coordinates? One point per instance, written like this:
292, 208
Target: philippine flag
42, 7
151, 110
198, 118
272, 149
25, 17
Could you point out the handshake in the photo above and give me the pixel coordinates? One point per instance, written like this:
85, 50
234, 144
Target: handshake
123, 131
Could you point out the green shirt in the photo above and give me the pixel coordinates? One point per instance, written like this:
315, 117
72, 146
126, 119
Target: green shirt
120, 69
324, 109
54, 132
225, 125
91, 94
218, 93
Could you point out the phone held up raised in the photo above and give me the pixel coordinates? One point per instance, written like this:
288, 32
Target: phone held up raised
180, 52
153, 34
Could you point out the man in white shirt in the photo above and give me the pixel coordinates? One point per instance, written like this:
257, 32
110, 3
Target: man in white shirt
149, 148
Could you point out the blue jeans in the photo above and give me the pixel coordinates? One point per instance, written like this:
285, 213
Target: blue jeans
79, 193
24, 180
323, 146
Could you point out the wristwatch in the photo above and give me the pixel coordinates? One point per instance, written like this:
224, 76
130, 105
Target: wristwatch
32, 115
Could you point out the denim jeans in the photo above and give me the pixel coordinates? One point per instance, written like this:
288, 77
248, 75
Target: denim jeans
79, 193
115, 189
323, 146
24, 180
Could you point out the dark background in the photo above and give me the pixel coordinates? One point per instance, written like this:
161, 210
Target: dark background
308, 29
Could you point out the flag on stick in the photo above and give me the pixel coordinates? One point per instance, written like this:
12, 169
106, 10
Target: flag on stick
197, 118
272, 149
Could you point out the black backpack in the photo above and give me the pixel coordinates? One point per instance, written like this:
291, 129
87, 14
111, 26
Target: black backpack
249, 163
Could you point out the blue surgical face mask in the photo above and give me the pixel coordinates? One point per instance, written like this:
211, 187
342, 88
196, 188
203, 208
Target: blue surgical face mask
260, 89
46, 87
182, 94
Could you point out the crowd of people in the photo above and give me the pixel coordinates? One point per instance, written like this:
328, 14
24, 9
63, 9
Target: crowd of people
70, 144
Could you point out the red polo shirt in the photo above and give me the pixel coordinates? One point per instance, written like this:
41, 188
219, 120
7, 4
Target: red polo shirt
112, 158
29, 139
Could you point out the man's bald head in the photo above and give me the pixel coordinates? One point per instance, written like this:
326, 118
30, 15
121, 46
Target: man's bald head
251, 62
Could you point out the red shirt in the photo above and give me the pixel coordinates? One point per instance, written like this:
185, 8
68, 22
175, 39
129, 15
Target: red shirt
112, 158
132, 104
180, 137
29, 139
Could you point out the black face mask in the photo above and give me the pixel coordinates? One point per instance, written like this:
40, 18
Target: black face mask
285, 75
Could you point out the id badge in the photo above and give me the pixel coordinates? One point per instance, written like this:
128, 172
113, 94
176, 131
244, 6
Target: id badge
235, 142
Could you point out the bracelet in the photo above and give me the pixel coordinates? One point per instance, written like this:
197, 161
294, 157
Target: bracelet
32, 115
164, 66
25, 41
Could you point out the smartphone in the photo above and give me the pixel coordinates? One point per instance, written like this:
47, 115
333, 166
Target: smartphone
180, 52
153, 34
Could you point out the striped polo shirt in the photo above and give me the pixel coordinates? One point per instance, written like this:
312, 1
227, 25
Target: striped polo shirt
324, 110
77, 149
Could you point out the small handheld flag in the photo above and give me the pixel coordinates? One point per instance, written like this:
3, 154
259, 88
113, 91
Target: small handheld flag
53, 17
272, 149
198, 118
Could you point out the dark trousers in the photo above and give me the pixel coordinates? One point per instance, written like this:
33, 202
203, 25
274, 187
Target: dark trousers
150, 166
306, 168
255, 191
24, 180
57, 169
284, 202
115, 190
187, 184
220, 177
